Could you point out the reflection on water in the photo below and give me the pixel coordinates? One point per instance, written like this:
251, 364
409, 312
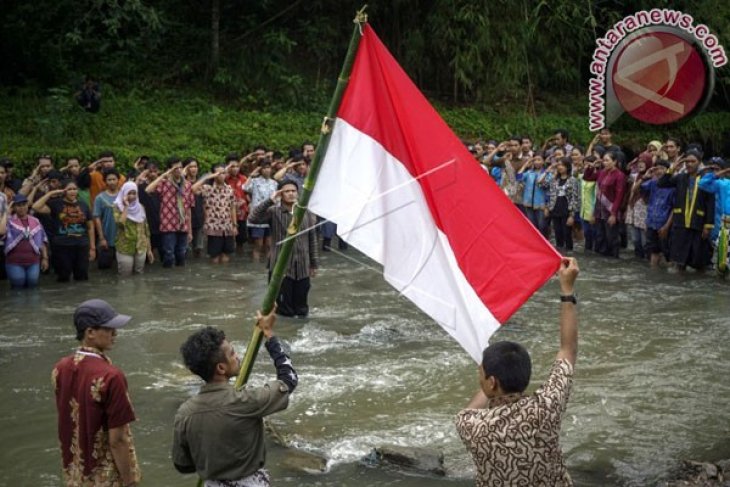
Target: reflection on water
652, 381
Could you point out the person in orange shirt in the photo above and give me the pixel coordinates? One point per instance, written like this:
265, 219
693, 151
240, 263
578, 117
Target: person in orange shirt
93, 177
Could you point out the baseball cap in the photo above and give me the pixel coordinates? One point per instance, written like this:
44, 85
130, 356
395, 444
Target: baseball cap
20, 198
97, 312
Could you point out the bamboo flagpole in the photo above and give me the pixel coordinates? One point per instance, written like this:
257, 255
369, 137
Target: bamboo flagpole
282, 261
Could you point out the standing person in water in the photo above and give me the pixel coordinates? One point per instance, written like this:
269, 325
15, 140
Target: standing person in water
94, 408
219, 433
176, 201
292, 299
514, 438
693, 216
73, 243
133, 244
564, 201
26, 244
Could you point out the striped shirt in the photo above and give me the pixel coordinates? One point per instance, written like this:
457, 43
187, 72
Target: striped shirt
304, 256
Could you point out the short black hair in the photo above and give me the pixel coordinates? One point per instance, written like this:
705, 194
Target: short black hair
562, 132
231, 157
189, 161
285, 181
201, 352
306, 142
675, 140
107, 172
106, 153
510, 363
277, 155
567, 162
172, 160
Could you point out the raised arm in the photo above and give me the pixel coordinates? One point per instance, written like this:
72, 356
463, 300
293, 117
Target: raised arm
41, 206
152, 187
198, 186
284, 370
567, 274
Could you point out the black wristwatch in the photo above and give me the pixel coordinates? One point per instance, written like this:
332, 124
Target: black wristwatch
568, 299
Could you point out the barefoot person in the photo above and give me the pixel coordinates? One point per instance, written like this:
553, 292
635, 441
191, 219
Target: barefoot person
220, 432
94, 409
513, 437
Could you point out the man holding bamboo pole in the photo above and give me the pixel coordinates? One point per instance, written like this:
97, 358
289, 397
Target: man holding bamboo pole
220, 432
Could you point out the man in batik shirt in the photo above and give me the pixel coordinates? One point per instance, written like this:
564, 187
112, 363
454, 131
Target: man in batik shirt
94, 409
514, 438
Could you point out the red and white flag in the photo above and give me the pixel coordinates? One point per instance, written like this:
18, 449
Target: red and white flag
404, 190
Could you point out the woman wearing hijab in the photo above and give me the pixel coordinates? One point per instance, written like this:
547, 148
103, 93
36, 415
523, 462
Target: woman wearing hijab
133, 233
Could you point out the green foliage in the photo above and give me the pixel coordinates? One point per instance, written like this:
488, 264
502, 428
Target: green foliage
284, 54
165, 122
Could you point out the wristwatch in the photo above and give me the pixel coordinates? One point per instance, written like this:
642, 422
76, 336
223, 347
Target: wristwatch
568, 299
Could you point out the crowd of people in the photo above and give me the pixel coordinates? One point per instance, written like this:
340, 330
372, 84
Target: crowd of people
61, 220
670, 203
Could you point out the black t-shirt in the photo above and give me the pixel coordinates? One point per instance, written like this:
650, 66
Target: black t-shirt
151, 203
561, 202
69, 222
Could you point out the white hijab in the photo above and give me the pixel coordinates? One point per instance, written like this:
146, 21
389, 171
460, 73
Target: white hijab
135, 211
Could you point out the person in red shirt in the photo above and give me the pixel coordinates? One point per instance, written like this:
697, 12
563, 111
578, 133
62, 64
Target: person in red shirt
610, 189
94, 409
236, 181
176, 201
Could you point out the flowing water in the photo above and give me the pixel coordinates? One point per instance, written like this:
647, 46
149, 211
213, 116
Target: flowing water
652, 383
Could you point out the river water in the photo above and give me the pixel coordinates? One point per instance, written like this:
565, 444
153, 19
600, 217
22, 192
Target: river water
652, 382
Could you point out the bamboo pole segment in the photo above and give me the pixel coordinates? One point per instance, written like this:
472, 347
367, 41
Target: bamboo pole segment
300, 207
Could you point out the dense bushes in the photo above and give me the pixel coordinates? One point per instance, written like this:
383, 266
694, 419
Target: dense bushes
177, 122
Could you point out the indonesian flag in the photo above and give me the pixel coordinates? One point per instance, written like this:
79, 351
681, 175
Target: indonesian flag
404, 190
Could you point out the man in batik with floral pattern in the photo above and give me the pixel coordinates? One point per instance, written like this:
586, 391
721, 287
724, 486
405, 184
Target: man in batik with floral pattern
94, 409
512, 437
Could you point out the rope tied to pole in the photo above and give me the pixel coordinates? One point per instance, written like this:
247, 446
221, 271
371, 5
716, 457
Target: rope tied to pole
361, 18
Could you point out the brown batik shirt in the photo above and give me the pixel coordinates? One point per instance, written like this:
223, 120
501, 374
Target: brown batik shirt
91, 398
515, 440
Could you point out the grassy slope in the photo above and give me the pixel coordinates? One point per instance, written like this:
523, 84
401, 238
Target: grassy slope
178, 122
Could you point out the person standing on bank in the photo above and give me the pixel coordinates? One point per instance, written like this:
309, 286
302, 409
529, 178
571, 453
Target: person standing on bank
220, 432
514, 438
292, 298
94, 409
72, 243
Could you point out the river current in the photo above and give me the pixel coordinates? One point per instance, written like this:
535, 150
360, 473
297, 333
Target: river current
652, 383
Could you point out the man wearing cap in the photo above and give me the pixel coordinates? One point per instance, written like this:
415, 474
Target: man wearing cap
94, 409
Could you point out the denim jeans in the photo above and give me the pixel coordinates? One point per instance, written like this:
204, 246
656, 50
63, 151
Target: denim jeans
174, 248
589, 234
22, 276
638, 236
537, 217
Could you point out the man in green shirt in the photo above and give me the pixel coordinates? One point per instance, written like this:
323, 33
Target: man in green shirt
220, 432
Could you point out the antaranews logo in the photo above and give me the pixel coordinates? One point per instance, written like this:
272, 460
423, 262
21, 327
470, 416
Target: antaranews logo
656, 66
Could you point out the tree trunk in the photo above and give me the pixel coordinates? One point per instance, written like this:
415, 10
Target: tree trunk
215, 48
